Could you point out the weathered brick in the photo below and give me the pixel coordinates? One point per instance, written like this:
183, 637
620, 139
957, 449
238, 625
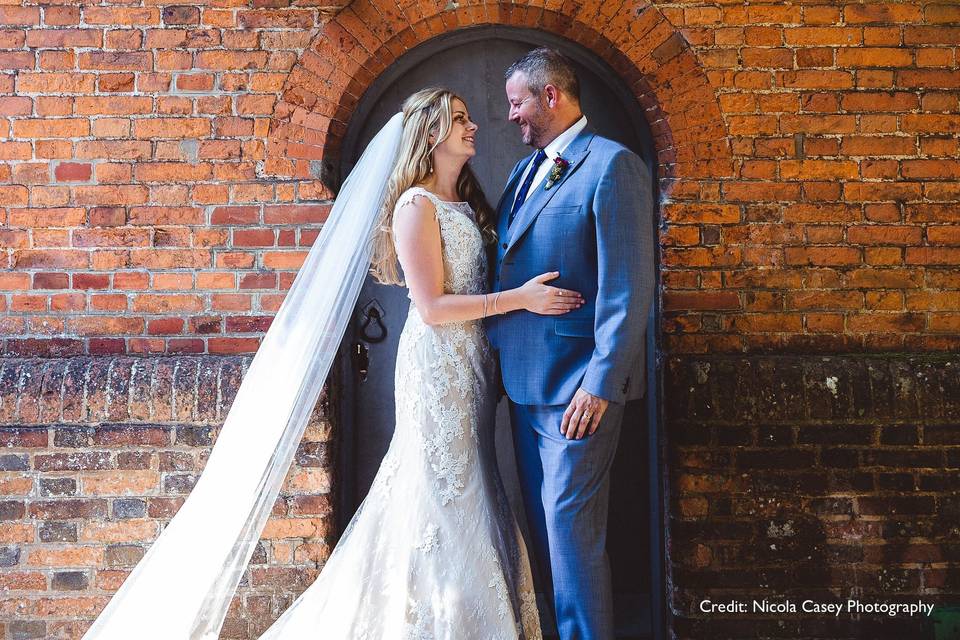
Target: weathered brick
14, 462
136, 460
73, 436
129, 508
68, 508
120, 531
58, 487
58, 532
120, 482
70, 581
125, 435
195, 436
181, 15
9, 556
118, 555
179, 483
72, 461
896, 505
27, 629
12, 509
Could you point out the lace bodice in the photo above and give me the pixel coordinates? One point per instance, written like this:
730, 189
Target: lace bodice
464, 260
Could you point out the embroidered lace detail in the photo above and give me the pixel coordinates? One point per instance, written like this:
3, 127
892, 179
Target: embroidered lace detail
418, 619
434, 552
447, 388
529, 615
500, 586
431, 539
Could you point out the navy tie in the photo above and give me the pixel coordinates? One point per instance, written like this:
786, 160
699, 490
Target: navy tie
522, 194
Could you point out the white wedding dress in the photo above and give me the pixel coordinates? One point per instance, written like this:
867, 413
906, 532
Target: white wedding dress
434, 552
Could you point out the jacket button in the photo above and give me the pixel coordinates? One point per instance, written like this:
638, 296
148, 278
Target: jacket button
504, 245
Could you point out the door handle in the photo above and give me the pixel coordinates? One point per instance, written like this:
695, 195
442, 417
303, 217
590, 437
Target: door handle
377, 333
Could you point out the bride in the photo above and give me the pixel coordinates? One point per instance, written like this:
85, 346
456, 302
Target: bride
434, 551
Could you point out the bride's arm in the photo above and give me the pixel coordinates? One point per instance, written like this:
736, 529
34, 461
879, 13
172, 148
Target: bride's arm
417, 237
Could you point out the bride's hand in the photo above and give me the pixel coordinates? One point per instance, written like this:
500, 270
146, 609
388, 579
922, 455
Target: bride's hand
546, 300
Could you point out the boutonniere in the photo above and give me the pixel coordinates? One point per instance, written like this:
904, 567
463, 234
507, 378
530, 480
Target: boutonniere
556, 172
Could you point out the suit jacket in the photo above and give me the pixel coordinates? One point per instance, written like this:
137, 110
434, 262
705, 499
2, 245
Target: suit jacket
594, 226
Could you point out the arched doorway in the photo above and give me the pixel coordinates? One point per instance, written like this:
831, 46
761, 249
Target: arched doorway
471, 62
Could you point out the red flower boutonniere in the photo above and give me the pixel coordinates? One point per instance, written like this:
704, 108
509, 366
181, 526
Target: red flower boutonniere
556, 172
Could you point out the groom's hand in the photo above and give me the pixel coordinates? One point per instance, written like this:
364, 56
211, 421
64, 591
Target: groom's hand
583, 415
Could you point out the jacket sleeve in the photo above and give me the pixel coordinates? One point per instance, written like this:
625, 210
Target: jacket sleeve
623, 210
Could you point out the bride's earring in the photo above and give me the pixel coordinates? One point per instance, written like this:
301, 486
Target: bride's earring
430, 154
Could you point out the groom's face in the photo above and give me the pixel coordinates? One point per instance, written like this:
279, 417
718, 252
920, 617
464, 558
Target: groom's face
527, 111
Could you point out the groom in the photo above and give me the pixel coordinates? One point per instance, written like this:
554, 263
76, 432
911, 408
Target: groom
580, 205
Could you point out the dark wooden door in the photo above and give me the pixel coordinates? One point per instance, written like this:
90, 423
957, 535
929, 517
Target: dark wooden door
472, 63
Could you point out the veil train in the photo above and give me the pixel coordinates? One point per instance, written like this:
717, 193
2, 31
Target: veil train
183, 585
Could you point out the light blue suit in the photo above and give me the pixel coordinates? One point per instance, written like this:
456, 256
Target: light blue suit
593, 226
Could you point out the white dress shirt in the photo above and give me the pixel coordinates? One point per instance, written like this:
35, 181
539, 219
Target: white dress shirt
554, 149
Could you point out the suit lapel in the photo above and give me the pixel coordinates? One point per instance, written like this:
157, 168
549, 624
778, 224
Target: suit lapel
575, 153
512, 183
506, 198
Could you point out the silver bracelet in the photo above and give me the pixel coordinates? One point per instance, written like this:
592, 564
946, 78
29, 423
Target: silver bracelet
495, 299
484, 306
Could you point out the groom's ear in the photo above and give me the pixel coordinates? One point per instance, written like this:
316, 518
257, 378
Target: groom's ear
552, 95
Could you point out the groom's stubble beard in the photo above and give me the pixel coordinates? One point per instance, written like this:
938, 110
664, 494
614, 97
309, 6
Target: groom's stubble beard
537, 127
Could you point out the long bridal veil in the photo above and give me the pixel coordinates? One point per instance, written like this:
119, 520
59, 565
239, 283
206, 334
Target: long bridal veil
183, 585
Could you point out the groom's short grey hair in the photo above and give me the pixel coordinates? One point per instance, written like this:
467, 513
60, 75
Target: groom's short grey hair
545, 66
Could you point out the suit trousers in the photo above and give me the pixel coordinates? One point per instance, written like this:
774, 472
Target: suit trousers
565, 486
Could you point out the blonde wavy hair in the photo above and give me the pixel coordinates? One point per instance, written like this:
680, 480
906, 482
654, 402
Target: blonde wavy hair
428, 111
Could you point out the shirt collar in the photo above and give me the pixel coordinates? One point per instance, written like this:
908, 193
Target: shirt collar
558, 144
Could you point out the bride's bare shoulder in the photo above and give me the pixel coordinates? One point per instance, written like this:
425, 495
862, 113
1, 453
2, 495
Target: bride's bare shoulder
415, 201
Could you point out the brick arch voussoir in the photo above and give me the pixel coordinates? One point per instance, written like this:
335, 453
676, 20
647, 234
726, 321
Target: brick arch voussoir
637, 41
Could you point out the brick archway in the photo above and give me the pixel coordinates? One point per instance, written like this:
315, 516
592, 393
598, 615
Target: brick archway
636, 40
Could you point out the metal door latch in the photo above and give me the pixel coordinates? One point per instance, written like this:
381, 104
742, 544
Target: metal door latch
372, 314
361, 360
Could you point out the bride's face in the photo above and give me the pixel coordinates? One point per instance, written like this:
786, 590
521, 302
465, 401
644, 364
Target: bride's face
461, 142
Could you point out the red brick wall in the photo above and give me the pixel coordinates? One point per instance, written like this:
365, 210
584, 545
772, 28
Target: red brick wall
838, 231
159, 184
135, 215
97, 456
822, 478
